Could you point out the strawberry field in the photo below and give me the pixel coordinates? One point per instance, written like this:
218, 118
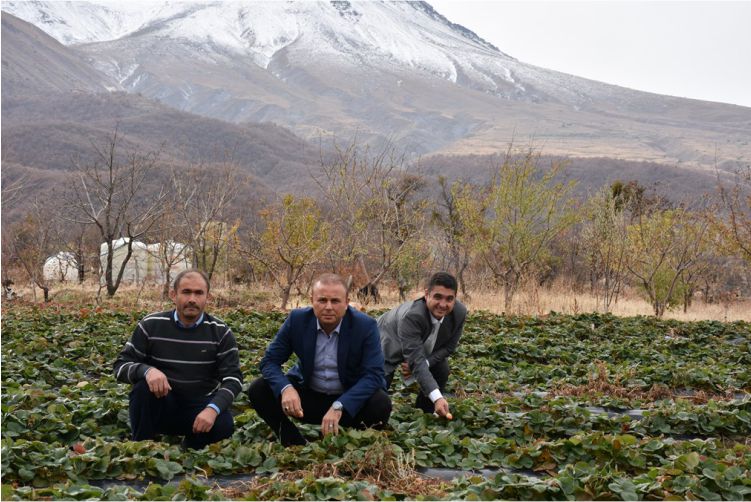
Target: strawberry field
563, 407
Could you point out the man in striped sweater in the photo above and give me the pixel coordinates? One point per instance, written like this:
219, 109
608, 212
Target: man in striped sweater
184, 367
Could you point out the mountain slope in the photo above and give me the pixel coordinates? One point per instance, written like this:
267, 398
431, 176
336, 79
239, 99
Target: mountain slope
56, 67
379, 70
54, 114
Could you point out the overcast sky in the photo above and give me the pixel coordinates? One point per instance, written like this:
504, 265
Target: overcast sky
694, 49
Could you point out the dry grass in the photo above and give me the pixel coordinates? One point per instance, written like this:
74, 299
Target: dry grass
382, 466
529, 301
563, 299
600, 383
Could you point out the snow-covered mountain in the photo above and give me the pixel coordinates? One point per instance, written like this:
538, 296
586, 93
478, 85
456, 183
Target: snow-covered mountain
401, 34
394, 70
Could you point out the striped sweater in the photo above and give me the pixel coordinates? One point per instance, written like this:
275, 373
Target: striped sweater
196, 361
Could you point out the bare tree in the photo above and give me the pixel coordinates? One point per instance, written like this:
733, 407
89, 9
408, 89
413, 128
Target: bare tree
736, 202
32, 241
397, 217
13, 191
169, 235
203, 196
375, 211
347, 183
456, 236
115, 193
81, 241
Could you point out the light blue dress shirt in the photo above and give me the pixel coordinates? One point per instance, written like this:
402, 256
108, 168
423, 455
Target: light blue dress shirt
325, 377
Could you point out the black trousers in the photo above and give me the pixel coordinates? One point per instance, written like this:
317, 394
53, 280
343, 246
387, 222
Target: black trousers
440, 372
375, 413
173, 415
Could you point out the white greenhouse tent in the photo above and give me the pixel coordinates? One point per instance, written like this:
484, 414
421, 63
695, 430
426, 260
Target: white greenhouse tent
61, 267
145, 264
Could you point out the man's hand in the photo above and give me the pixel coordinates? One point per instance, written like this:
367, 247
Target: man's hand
157, 382
291, 404
330, 422
441, 407
406, 373
205, 420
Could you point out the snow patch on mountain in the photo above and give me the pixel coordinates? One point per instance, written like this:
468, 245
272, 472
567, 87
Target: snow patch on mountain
408, 33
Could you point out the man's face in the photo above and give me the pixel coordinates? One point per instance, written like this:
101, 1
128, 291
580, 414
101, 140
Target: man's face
190, 298
440, 301
329, 304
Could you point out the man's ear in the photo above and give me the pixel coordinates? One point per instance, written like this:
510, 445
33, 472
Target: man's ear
172, 294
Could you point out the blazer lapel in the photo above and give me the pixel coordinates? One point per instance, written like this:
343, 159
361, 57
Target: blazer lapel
345, 335
428, 319
307, 358
444, 332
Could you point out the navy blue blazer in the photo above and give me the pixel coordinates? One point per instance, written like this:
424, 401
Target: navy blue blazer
359, 356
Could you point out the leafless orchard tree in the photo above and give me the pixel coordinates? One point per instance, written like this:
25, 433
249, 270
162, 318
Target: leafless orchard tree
456, 236
736, 201
373, 209
32, 241
400, 218
171, 235
13, 191
202, 197
10, 193
110, 193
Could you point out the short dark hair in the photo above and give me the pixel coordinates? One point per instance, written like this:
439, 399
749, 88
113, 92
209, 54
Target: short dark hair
189, 271
329, 278
443, 279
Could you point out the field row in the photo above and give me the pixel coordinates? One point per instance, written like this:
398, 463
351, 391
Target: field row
590, 406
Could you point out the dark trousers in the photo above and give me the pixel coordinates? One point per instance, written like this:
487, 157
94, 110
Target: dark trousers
375, 413
173, 415
440, 372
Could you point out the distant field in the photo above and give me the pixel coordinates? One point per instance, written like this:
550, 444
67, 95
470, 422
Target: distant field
587, 406
538, 301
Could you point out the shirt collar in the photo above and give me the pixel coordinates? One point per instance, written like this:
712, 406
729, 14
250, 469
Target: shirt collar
335, 332
435, 321
181, 325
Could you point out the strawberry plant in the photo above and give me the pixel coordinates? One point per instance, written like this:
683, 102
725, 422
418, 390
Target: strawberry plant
561, 407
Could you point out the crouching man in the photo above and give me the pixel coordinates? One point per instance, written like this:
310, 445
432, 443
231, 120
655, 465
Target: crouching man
184, 367
419, 336
338, 380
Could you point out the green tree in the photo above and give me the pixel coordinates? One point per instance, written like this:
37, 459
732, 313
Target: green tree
292, 237
605, 244
523, 211
663, 248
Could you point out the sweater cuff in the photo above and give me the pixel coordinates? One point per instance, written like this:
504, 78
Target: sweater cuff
144, 369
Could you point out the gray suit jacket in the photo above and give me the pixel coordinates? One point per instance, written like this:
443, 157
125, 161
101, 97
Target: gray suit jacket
405, 328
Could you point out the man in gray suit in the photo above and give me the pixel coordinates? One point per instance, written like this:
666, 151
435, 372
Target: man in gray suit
419, 336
